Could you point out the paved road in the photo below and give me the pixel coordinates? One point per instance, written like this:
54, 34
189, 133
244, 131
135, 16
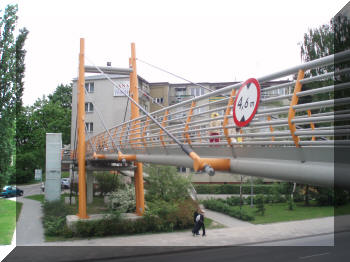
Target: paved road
318, 241
33, 189
201, 254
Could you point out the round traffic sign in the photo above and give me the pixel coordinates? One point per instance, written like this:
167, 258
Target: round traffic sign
246, 102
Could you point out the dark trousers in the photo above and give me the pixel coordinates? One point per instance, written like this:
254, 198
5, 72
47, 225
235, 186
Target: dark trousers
196, 228
203, 228
199, 225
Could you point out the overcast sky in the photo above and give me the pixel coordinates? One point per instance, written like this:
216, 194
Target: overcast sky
199, 40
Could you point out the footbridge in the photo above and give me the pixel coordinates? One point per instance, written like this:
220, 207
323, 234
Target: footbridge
292, 136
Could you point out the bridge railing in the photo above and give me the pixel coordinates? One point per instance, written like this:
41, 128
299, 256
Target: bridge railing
292, 113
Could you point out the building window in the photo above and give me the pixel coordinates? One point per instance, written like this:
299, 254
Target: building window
89, 127
89, 107
181, 91
197, 91
90, 88
158, 100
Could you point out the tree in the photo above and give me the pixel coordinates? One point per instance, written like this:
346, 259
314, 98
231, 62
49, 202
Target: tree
166, 184
50, 114
323, 41
12, 70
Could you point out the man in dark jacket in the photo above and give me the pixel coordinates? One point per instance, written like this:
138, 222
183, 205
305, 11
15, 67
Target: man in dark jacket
199, 223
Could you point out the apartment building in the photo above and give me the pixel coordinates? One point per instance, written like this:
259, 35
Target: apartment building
105, 104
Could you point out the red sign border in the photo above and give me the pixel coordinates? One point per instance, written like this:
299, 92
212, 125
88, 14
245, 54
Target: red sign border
237, 122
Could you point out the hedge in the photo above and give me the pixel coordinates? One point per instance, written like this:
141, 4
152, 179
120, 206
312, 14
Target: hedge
222, 207
235, 188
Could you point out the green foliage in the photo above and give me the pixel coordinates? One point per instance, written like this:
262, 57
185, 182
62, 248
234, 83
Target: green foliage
161, 216
108, 182
233, 201
291, 204
12, 68
123, 200
260, 205
160, 208
165, 183
223, 207
234, 188
46, 115
54, 219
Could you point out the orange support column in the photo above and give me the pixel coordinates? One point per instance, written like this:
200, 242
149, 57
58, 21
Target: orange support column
138, 173
312, 125
271, 128
81, 133
291, 113
226, 117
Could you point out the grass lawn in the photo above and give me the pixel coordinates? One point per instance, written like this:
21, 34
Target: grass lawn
65, 174
279, 212
39, 198
9, 211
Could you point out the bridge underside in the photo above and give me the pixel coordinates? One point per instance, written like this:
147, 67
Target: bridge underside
308, 165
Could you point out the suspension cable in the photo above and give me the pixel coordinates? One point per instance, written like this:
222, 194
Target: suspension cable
182, 78
184, 148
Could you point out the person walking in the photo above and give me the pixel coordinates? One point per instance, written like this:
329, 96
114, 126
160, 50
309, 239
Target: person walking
201, 222
196, 218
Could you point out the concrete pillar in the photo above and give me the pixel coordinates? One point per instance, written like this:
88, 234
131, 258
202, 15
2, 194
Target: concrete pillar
89, 187
53, 166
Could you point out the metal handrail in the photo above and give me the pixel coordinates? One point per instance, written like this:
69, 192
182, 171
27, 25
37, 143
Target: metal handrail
200, 129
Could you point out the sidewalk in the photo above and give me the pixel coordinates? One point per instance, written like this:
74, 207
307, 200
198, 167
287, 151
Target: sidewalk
241, 235
225, 219
29, 229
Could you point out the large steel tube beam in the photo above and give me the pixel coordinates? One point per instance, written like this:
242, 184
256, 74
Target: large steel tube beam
314, 173
309, 172
108, 70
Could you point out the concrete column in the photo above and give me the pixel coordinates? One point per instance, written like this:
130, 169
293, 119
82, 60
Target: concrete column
53, 166
89, 187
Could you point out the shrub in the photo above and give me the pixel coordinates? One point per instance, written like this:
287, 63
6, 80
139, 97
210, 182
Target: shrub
325, 196
234, 188
108, 182
233, 201
165, 183
123, 200
54, 219
219, 206
260, 204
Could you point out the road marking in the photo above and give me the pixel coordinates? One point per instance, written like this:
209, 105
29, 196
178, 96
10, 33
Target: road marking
316, 255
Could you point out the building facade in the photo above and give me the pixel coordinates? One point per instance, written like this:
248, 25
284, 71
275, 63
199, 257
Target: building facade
105, 104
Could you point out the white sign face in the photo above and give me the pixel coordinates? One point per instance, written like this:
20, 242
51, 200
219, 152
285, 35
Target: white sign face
246, 102
122, 84
38, 174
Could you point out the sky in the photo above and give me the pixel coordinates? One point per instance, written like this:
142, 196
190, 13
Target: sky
200, 40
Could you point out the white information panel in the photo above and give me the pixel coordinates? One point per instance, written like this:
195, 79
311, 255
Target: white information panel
38, 175
122, 84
